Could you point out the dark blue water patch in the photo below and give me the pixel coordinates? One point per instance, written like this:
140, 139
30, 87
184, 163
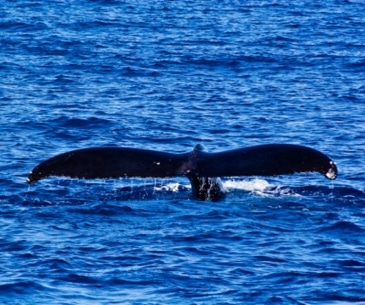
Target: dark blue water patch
21, 288
267, 259
91, 122
14, 246
344, 228
105, 209
80, 279
352, 265
351, 296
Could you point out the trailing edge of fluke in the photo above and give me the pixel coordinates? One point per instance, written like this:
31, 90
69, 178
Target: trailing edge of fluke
202, 169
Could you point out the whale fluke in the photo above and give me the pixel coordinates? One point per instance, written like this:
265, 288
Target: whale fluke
203, 169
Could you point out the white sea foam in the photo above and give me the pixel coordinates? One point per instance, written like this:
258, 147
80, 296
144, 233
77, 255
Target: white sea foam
259, 186
171, 187
256, 185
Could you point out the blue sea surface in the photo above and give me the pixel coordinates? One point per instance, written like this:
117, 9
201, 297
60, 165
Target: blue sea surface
167, 75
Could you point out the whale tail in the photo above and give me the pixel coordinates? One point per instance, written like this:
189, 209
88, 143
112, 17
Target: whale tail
200, 167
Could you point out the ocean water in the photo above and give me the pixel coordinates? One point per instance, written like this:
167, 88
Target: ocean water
168, 75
